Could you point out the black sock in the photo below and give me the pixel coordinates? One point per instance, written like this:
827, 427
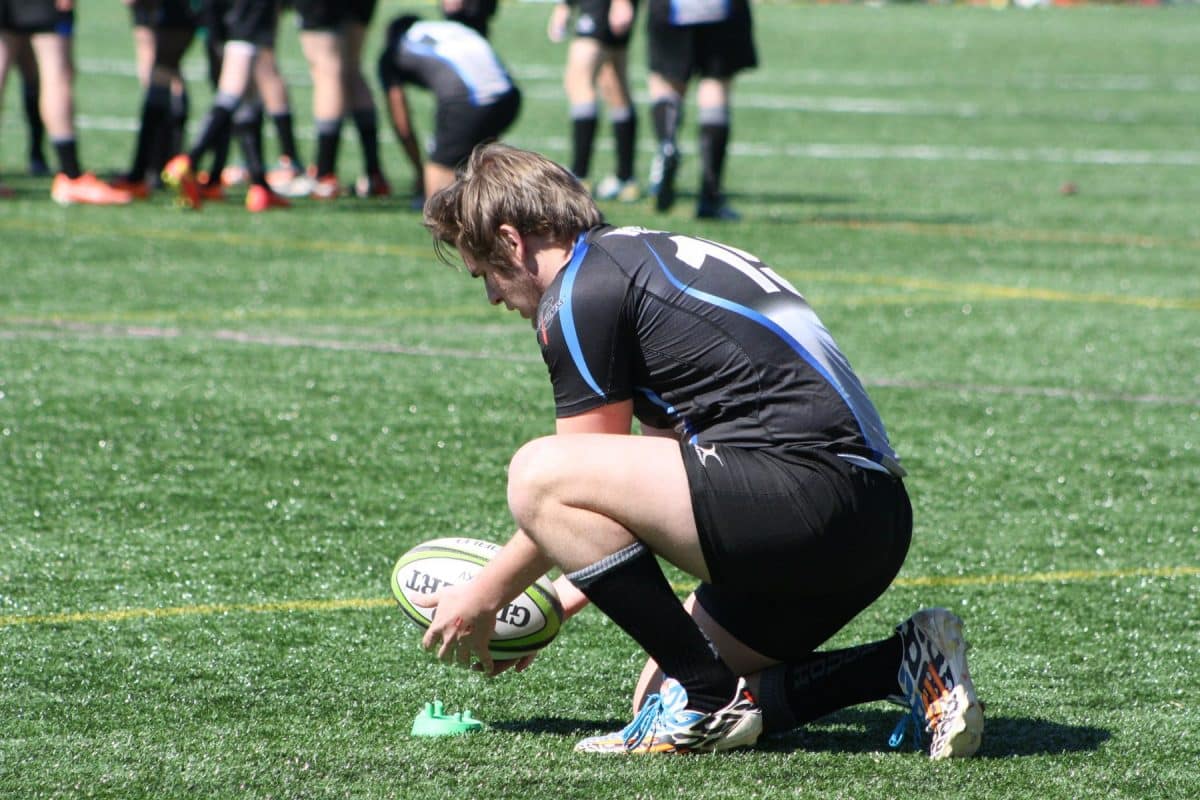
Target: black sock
667, 113
630, 588
247, 127
367, 123
33, 116
329, 134
714, 141
176, 128
625, 135
287, 138
220, 156
583, 137
155, 113
793, 694
68, 157
216, 125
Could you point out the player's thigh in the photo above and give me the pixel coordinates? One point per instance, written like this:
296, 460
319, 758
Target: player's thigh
639, 482
584, 57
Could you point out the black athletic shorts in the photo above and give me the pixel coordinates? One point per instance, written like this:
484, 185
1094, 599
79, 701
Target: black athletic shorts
592, 23
164, 15
715, 50
28, 16
795, 548
320, 15
250, 21
458, 127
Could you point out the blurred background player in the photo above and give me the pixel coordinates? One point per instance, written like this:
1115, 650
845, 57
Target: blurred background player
332, 34
276, 101
243, 26
712, 40
597, 57
476, 99
475, 14
30, 85
360, 99
163, 31
46, 26
321, 42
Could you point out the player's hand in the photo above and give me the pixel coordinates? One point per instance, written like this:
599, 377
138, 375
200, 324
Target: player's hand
556, 29
620, 16
462, 627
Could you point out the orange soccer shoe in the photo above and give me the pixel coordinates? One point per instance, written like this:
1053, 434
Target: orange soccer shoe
87, 189
260, 198
180, 176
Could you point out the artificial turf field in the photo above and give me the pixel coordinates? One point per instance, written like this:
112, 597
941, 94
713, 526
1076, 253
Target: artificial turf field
218, 431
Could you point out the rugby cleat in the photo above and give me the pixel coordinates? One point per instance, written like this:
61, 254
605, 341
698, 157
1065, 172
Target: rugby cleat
613, 188
662, 176
937, 685
716, 208
181, 176
666, 725
260, 198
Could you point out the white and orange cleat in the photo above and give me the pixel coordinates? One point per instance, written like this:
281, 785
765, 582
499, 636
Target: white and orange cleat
937, 686
87, 189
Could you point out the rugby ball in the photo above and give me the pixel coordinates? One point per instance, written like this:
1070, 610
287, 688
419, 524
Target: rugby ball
524, 626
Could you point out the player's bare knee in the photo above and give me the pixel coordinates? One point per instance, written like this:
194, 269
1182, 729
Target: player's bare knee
532, 475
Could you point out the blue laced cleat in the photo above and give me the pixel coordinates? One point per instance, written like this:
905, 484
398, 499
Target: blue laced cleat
937, 685
666, 725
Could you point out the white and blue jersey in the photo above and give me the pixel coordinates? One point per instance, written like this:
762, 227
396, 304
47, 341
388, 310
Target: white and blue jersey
452, 61
706, 339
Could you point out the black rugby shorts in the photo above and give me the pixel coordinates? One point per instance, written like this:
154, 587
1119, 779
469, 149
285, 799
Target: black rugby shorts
715, 50
795, 548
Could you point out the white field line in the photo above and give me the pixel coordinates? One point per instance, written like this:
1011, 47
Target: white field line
825, 151
89, 332
296, 73
546, 79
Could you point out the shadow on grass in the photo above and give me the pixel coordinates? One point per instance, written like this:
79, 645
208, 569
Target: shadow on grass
864, 731
867, 731
556, 726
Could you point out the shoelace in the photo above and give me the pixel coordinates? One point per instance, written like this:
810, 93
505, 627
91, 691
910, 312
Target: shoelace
913, 721
644, 722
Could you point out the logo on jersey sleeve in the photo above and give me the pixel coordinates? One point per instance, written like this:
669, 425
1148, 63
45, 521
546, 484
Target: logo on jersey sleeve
546, 314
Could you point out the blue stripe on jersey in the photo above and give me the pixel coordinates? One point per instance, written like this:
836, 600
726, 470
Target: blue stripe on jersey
770, 324
566, 314
670, 410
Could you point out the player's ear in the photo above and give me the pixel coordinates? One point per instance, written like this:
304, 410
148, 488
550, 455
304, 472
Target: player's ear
512, 242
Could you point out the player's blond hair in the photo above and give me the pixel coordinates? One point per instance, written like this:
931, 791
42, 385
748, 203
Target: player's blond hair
502, 184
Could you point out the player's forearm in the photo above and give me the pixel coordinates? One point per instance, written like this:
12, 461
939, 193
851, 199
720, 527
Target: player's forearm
518, 564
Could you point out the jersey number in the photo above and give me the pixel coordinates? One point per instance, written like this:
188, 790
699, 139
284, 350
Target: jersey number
693, 252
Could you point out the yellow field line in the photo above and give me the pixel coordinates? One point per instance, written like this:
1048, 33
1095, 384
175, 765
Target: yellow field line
953, 290
255, 239
361, 603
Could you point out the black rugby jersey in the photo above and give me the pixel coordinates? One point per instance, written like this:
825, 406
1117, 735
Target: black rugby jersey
452, 61
705, 339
